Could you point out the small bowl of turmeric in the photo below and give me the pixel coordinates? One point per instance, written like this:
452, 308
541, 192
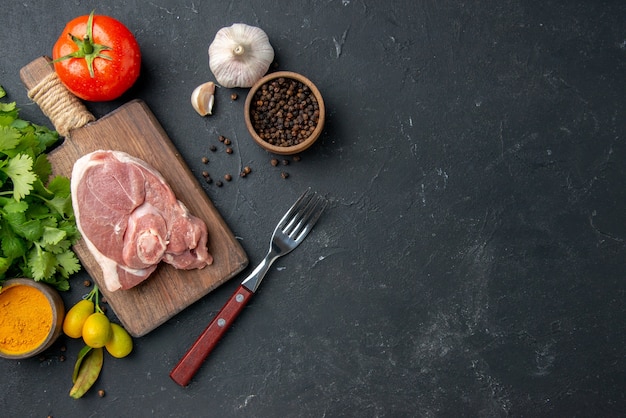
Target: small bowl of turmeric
31, 318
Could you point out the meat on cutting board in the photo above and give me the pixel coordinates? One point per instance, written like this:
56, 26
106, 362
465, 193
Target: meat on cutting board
131, 220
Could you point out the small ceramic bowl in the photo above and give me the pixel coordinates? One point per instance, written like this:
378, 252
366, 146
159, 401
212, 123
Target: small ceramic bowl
308, 130
48, 328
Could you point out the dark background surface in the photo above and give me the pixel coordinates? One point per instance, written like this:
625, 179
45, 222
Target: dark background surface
472, 260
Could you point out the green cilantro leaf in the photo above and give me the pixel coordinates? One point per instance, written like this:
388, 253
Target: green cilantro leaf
13, 206
60, 186
12, 246
41, 263
32, 230
9, 138
52, 236
61, 205
42, 167
68, 263
19, 170
8, 114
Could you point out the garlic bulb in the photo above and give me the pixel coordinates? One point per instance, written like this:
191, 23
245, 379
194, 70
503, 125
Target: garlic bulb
240, 55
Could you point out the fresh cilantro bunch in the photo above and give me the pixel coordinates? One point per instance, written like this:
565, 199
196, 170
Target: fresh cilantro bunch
37, 224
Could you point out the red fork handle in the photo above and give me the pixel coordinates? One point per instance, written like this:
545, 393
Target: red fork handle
206, 342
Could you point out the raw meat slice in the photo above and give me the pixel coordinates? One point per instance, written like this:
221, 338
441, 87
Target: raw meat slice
131, 220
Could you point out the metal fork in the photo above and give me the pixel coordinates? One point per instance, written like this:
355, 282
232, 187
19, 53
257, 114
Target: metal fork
288, 234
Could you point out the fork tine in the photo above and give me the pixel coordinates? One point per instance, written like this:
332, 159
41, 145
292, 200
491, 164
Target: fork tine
294, 209
309, 217
299, 214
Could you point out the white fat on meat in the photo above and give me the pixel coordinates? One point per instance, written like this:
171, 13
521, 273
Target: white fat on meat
131, 220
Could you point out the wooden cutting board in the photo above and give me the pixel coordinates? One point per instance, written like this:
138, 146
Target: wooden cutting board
133, 128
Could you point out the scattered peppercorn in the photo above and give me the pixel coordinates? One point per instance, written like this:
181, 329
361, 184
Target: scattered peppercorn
284, 175
285, 162
233, 96
221, 138
86, 283
229, 150
101, 393
205, 160
274, 162
63, 348
297, 158
284, 112
61, 358
209, 180
228, 177
218, 183
247, 170
213, 148
205, 174
226, 141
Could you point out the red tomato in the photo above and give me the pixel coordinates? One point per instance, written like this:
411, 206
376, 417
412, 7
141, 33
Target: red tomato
97, 58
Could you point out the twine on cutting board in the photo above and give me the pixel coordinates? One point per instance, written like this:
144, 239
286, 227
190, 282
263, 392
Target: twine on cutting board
64, 109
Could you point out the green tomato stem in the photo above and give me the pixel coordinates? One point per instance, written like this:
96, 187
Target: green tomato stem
87, 48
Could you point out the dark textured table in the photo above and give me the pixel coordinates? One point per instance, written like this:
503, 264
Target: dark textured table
472, 261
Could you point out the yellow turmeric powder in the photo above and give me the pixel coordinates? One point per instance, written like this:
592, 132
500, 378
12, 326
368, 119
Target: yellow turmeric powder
25, 319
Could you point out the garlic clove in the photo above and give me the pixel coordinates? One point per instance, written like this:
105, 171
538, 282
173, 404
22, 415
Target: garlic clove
203, 97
